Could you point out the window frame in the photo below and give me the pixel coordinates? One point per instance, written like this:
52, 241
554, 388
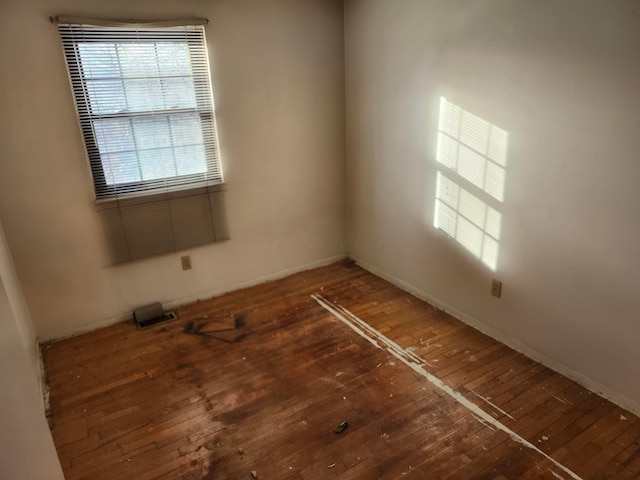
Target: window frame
204, 106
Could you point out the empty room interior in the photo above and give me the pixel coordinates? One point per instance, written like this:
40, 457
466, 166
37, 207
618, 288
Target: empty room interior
405, 242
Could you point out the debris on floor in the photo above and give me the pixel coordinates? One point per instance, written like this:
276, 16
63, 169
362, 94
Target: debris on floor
227, 330
254, 474
341, 428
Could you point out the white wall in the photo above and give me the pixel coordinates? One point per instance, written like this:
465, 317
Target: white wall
562, 78
278, 74
26, 447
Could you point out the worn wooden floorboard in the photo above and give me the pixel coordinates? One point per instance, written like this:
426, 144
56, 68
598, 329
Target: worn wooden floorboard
187, 400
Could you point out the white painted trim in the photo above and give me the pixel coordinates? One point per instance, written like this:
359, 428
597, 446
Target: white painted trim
587, 382
205, 295
250, 283
79, 330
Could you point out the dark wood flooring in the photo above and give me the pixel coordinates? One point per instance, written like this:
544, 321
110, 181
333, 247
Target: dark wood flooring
257, 380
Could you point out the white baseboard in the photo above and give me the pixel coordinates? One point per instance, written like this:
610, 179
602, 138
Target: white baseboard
250, 283
204, 295
80, 329
587, 382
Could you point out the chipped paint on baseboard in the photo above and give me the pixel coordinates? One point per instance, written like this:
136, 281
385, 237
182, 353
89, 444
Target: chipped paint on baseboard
418, 365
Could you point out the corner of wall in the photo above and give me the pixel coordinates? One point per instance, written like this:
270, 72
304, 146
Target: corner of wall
17, 303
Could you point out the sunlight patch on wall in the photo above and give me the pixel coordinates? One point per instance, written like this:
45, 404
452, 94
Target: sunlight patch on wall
470, 187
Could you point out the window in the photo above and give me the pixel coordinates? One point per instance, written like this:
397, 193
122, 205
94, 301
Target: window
145, 105
144, 101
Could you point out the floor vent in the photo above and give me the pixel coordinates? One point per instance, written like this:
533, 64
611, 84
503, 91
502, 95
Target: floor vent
165, 317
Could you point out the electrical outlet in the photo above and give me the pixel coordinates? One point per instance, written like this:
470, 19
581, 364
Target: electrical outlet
186, 262
496, 288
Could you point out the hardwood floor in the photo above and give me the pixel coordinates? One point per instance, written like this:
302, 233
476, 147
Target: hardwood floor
257, 380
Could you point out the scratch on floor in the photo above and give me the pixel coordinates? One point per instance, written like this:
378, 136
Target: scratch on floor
560, 399
488, 425
493, 405
418, 365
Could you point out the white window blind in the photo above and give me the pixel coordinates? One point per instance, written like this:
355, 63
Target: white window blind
145, 106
